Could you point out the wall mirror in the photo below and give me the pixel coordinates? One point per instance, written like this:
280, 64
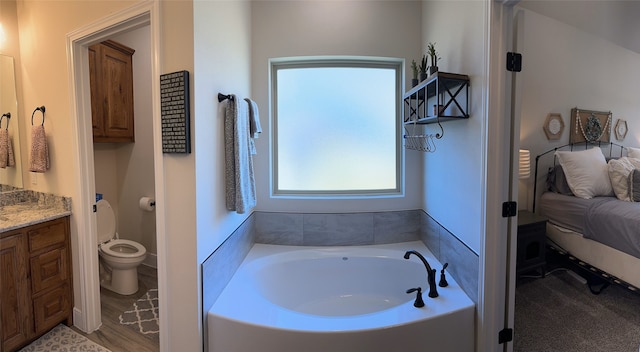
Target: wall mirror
10, 176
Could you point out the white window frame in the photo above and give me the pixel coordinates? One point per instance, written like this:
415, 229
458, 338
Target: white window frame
337, 61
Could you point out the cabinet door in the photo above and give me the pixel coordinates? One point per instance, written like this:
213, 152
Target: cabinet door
117, 85
15, 307
97, 102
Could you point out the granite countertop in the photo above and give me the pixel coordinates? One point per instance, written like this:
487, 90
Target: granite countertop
24, 208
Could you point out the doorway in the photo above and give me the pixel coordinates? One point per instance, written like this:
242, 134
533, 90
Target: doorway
87, 314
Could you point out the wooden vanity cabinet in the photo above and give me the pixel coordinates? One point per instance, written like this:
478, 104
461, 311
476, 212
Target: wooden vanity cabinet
111, 82
36, 281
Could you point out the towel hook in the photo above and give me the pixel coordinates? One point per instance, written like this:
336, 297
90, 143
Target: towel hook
8, 116
41, 109
222, 97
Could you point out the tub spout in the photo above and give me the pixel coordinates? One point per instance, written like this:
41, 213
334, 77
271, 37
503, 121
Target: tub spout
431, 273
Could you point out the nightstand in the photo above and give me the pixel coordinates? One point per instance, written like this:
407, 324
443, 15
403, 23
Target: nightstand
532, 238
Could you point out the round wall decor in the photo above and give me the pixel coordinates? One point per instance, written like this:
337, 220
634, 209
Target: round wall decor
553, 126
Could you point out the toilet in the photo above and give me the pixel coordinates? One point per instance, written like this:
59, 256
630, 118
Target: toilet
119, 258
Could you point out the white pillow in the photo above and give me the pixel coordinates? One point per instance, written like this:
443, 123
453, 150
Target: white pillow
619, 171
587, 172
633, 152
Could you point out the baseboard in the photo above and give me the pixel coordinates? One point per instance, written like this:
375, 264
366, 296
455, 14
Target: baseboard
78, 320
151, 260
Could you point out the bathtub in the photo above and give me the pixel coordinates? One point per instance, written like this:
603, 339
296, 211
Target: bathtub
288, 298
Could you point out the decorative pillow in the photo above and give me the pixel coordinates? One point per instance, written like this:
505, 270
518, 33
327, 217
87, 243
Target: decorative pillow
619, 173
557, 181
587, 172
633, 152
634, 185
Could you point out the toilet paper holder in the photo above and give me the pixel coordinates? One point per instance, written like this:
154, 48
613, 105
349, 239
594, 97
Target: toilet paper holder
147, 203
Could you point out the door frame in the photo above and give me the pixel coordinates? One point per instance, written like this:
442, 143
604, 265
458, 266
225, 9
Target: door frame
87, 314
497, 259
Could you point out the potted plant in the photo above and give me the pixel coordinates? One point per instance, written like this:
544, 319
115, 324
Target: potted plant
433, 55
423, 68
414, 69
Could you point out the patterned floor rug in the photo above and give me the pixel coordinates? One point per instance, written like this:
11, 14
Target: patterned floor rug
143, 315
63, 339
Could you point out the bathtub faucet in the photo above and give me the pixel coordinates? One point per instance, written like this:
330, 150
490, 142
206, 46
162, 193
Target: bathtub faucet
431, 273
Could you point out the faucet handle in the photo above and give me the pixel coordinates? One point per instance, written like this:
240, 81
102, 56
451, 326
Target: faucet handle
419, 303
443, 280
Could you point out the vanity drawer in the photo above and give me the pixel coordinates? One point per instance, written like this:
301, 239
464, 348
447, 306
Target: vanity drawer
51, 308
48, 234
49, 269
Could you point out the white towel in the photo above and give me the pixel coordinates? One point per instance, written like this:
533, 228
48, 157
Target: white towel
254, 124
39, 150
240, 185
6, 150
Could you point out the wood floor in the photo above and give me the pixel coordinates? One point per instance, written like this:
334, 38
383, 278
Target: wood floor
118, 337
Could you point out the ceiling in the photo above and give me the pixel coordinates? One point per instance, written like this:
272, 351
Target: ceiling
614, 20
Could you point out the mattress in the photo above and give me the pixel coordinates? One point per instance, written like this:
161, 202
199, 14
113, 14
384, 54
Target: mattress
606, 220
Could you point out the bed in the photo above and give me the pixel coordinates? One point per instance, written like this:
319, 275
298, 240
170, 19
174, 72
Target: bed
592, 200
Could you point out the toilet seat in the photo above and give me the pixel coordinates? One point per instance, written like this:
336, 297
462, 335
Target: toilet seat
108, 243
123, 248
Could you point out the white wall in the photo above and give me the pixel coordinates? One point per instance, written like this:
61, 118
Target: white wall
104, 158
564, 68
182, 280
453, 175
222, 64
307, 28
135, 160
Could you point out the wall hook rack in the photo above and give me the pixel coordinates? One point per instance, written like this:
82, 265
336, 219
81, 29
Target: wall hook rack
8, 116
41, 109
223, 97
423, 142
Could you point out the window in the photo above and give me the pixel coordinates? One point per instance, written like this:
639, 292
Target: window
336, 127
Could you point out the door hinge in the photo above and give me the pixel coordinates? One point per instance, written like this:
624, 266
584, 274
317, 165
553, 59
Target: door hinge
514, 62
95, 208
505, 335
509, 209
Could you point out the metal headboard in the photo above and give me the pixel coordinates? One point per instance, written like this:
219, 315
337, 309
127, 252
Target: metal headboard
573, 146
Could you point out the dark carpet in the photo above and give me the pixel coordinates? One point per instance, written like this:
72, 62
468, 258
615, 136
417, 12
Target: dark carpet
559, 313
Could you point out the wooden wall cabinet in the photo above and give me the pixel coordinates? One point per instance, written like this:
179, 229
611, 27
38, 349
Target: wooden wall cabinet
36, 281
111, 82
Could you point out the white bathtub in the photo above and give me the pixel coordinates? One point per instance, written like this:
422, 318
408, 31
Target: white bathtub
286, 298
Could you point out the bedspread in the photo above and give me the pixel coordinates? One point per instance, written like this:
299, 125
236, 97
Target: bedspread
607, 220
615, 223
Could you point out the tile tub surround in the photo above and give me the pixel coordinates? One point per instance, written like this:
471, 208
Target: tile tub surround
464, 264
220, 266
23, 208
337, 229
